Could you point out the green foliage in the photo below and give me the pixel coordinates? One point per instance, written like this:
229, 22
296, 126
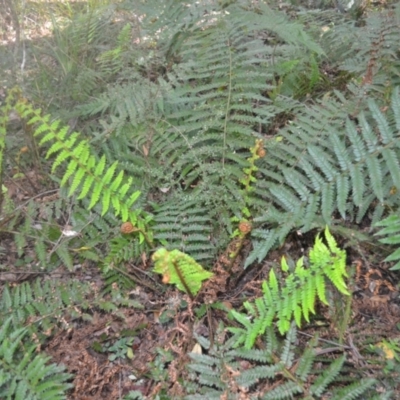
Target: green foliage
319, 169
121, 348
89, 175
188, 131
24, 375
42, 304
4, 117
296, 298
186, 128
29, 314
373, 56
391, 232
180, 269
248, 181
185, 226
232, 373
84, 48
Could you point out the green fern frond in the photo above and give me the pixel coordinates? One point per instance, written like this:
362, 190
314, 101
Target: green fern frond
328, 376
273, 366
42, 303
180, 269
186, 226
328, 170
354, 391
24, 375
391, 232
82, 166
296, 298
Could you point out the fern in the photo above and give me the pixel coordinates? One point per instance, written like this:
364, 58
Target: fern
75, 49
220, 372
43, 303
296, 298
88, 175
4, 119
372, 55
190, 131
322, 171
185, 226
24, 375
391, 229
180, 269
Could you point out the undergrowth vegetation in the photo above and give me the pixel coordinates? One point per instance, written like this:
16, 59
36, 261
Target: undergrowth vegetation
199, 138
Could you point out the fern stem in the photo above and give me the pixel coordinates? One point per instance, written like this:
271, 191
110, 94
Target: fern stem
287, 374
181, 277
134, 278
238, 247
344, 323
146, 238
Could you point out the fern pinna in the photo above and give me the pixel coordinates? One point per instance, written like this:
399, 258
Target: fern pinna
296, 298
87, 174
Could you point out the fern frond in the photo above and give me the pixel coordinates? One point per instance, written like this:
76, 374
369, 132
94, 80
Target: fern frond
42, 302
81, 164
180, 269
329, 169
272, 365
353, 391
391, 232
25, 375
328, 376
186, 226
297, 296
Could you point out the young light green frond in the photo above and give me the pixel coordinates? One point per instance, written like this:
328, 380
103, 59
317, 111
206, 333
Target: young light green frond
61, 146
134, 196
117, 181
295, 297
61, 157
97, 189
100, 166
60, 143
105, 200
180, 269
